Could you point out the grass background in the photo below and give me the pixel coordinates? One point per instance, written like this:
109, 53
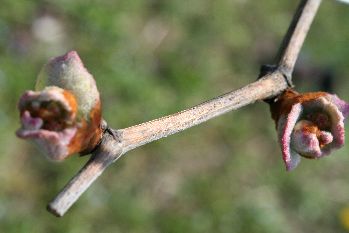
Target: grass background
152, 58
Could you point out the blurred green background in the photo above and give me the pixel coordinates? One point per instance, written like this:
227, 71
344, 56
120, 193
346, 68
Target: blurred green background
152, 58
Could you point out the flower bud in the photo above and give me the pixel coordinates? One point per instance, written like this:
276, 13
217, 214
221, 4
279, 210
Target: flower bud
310, 125
63, 115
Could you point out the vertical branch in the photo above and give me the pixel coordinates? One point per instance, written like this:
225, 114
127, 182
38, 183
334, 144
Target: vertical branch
295, 36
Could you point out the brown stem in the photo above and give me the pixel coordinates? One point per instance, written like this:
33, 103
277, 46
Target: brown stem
138, 135
106, 154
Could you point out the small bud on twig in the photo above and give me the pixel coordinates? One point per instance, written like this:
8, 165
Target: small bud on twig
309, 125
64, 115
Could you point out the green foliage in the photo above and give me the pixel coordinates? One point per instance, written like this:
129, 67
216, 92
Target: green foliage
152, 58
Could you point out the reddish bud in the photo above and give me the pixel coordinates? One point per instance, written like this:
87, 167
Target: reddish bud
310, 125
63, 116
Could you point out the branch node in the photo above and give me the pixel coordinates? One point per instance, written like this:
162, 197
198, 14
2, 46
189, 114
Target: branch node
267, 69
109, 130
287, 73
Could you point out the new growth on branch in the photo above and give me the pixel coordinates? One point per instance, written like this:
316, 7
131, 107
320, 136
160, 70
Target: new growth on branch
63, 114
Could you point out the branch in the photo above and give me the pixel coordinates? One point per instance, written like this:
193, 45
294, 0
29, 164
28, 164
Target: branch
295, 36
106, 154
138, 135
118, 142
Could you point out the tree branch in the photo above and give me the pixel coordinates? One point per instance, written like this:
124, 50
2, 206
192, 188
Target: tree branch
138, 135
118, 142
107, 152
295, 36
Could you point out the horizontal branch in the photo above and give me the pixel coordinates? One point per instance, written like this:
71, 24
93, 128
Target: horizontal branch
138, 135
123, 140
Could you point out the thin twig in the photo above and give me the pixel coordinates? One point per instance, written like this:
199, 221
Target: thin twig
138, 135
295, 36
267, 86
106, 154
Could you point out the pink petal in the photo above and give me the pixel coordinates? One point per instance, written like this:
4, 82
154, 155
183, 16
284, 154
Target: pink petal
326, 137
304, 142
341, 104
31, 123
285, 128
55, 144
336, 118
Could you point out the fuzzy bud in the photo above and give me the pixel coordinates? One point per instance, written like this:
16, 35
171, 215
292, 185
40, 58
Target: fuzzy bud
310, 125
63, 114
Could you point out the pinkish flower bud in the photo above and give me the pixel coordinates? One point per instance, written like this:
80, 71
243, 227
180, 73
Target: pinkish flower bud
309, 125
63, 116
